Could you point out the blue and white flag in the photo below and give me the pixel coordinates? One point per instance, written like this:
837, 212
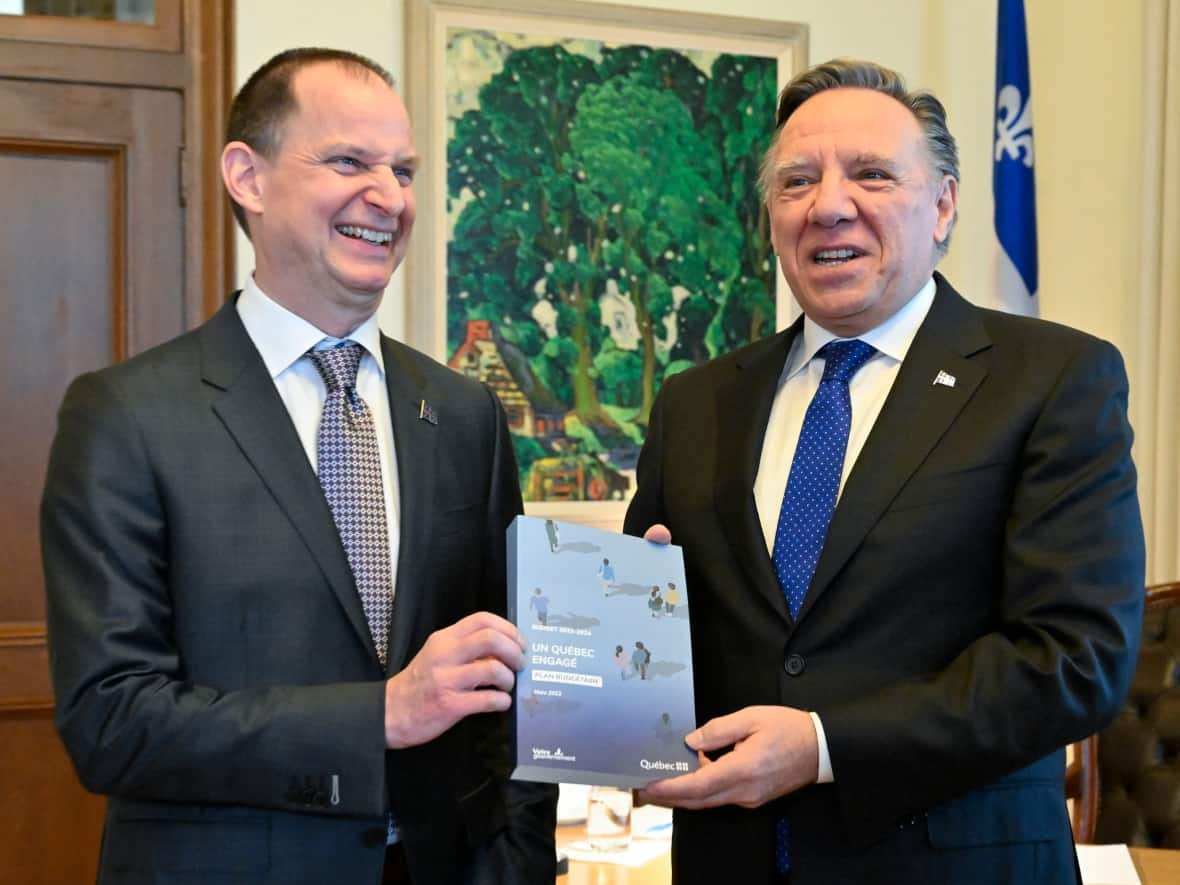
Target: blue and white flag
1012, 169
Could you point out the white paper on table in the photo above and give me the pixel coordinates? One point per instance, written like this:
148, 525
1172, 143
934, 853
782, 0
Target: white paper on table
1107, 865
638, 853
571, 803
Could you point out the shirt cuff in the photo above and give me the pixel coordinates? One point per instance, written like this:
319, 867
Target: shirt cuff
824, 775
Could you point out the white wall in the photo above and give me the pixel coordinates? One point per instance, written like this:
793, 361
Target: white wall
1088, 81
1087, 97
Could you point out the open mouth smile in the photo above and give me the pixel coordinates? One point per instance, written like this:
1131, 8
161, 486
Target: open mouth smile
835, 257
367, 234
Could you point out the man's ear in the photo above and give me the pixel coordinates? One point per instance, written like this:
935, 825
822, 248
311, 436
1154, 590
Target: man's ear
946, 203
242, 176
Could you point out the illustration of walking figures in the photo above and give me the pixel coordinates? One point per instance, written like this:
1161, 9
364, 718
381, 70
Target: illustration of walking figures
540, 604
621, 661
551, 531
640, 658
606, 576
655, 603
671, 597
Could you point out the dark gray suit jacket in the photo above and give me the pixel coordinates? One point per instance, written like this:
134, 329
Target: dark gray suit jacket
976, 605
213, 670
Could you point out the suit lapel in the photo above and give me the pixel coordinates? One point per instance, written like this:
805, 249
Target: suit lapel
916, 414
416, 441
249, 406
743, 409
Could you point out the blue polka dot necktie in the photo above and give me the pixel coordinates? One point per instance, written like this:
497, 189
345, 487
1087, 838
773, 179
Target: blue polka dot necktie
810, 497
349, 467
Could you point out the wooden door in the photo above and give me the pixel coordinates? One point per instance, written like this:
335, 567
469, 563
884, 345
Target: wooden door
93, 271
109, 244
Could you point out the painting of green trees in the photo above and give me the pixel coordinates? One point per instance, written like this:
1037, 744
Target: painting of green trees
604, 232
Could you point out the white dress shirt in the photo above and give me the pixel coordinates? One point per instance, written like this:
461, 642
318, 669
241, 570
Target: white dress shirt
283, 340
799, 381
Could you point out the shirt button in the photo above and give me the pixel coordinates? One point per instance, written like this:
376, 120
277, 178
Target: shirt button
794, 664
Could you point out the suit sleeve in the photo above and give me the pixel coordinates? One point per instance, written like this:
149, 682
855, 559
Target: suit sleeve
1059, 660
645, 509
523, 852
132, 721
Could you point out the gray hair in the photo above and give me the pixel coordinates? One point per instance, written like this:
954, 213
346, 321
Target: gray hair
851, 73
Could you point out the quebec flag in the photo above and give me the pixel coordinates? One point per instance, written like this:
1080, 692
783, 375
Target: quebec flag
1012, 169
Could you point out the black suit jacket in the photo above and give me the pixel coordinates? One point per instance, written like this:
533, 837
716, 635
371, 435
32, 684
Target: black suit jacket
975, 608
213, 670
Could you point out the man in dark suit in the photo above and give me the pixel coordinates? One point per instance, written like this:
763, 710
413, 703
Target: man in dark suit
890, 704
251, 717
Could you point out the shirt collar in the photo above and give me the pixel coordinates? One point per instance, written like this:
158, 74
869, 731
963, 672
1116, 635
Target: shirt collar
892, 338
282, 337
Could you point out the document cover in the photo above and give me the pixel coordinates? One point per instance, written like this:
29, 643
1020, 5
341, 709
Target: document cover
606, 696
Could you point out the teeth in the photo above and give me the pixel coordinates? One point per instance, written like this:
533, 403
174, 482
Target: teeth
377, 237
834, 254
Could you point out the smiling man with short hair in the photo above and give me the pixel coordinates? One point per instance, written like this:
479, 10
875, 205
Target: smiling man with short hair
274, 548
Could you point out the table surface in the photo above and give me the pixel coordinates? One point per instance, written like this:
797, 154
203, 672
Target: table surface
1156, 867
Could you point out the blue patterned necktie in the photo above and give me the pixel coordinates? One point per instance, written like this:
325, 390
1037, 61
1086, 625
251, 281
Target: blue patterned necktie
349, 466
810, 497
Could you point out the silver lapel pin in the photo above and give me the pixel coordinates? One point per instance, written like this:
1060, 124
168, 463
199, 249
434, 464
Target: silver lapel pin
946, 379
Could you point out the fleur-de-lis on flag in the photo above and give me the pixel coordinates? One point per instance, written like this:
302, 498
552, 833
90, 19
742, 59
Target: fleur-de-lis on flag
1013, 126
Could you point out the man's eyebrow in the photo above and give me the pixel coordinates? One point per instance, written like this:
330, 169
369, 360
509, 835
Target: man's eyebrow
873, 159
789, 166
346, 147
863, 158
369, 155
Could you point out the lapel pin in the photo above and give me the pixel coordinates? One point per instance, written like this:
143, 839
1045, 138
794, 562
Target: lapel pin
945, 379
426, 412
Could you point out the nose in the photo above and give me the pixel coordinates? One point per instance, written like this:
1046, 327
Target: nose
833, 202
386, 193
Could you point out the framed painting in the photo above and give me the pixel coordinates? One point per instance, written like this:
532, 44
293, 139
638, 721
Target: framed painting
588, 217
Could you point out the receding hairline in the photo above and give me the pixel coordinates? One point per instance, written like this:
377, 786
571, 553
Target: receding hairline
264, 104
286, 68
349, 66
353, 69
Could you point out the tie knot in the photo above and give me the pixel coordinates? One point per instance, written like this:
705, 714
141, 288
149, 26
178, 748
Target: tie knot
842, 359
338, 365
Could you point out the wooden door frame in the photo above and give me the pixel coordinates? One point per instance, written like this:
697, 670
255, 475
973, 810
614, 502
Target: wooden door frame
202, 72
188, 56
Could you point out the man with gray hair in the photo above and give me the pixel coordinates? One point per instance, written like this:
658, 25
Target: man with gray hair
911, 534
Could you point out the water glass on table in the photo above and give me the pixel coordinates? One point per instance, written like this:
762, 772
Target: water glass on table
608, 818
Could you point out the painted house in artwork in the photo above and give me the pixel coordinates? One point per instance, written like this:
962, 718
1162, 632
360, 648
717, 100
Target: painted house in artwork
485, 356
